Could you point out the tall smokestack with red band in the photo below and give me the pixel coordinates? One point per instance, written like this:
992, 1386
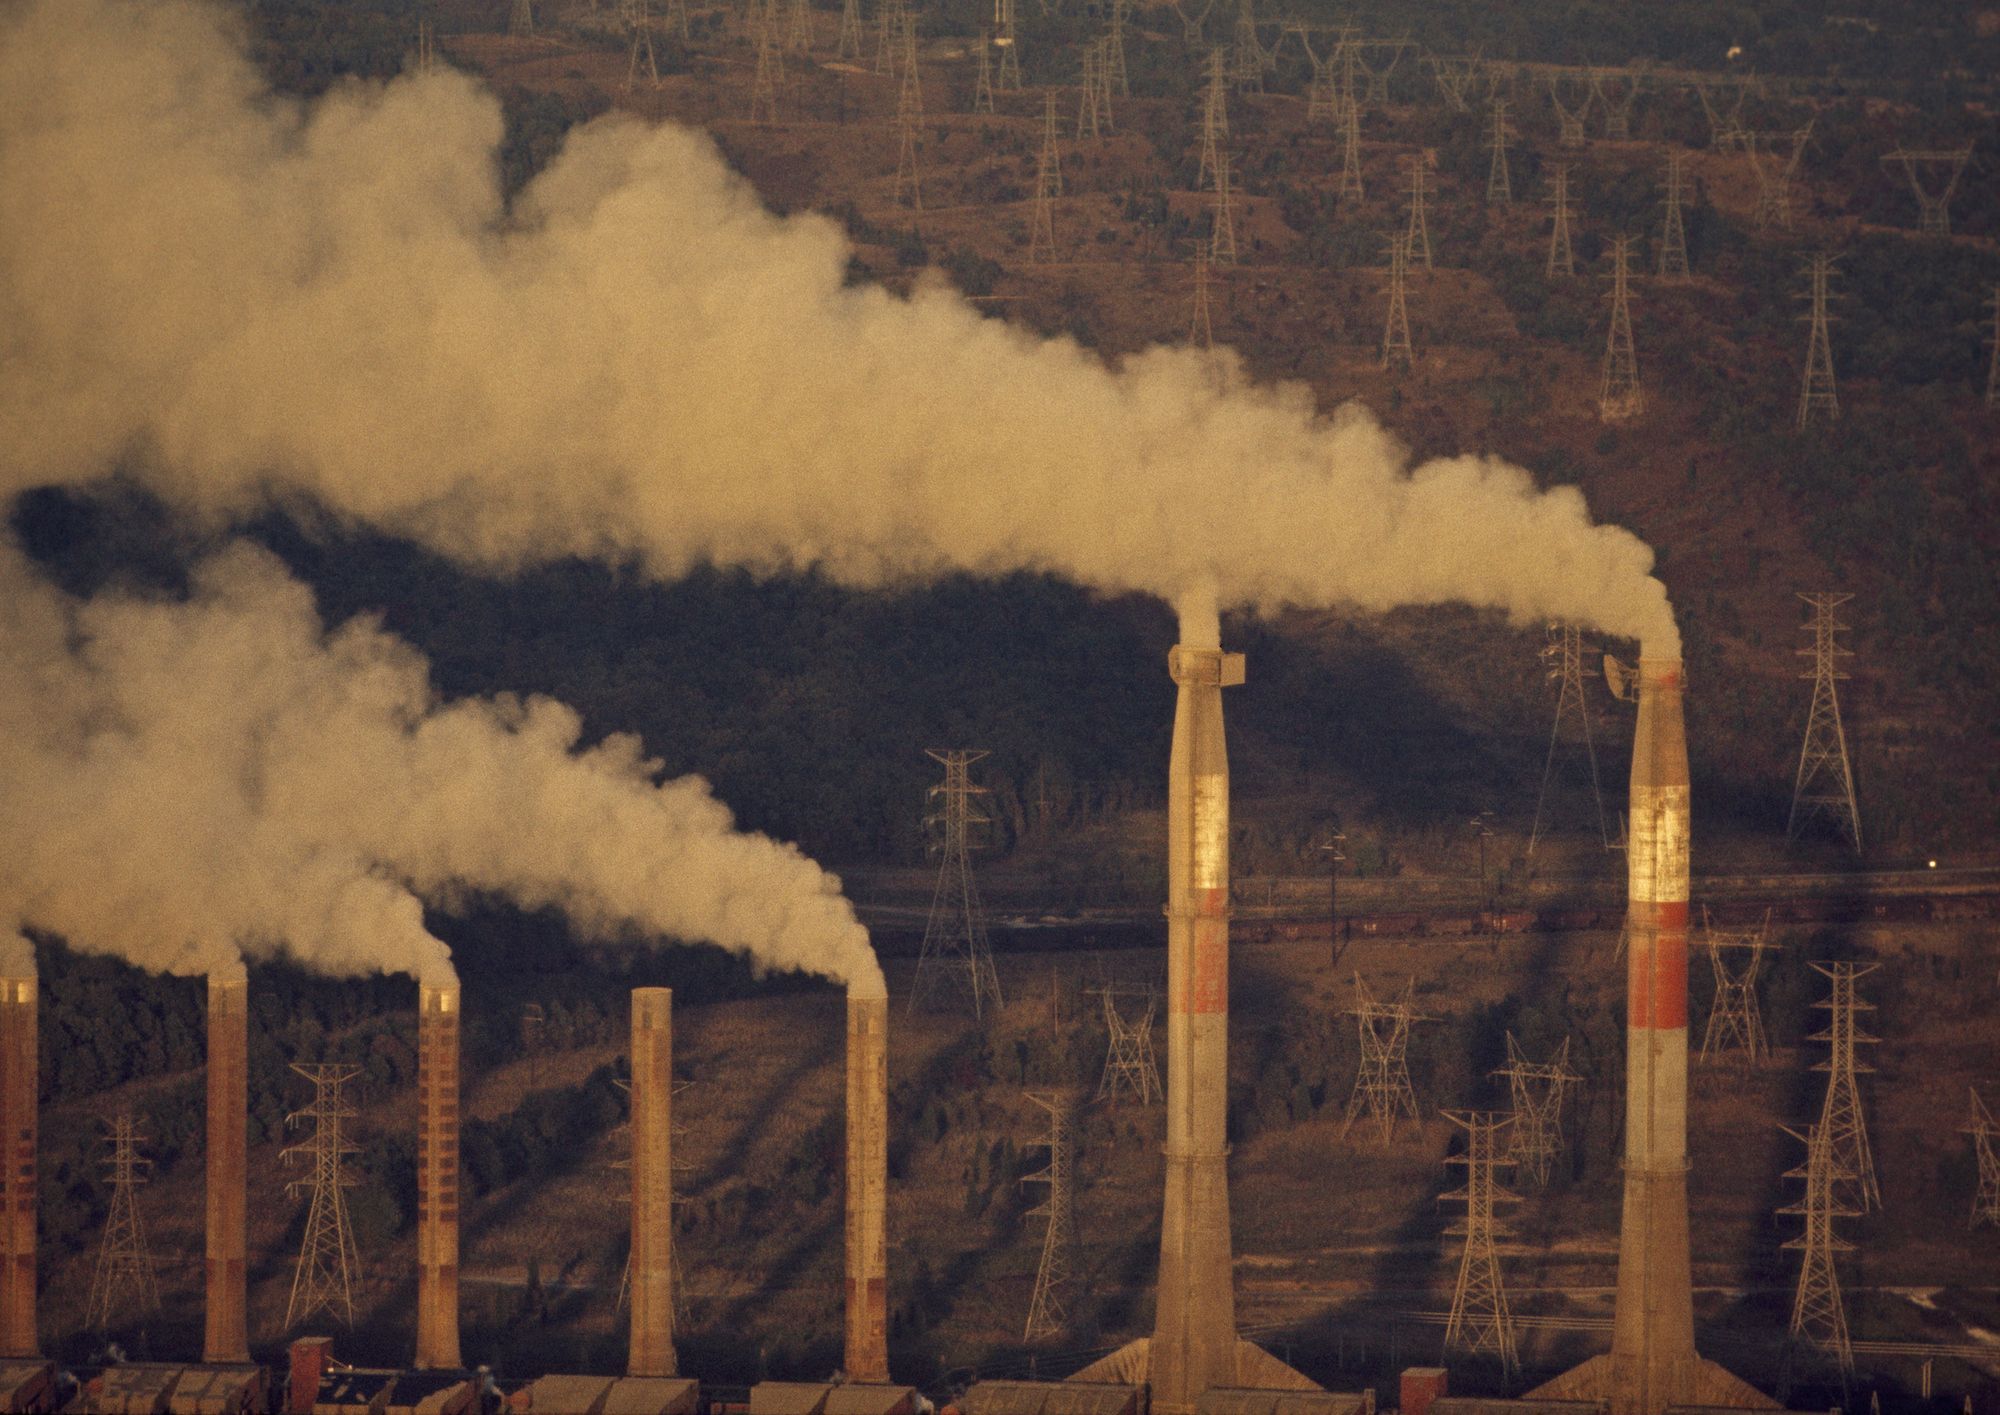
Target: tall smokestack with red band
225, 1329
437, 1177
867, 1186
1194, 1332
19, 1135
1652, 1345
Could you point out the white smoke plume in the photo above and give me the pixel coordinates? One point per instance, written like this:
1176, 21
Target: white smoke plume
187, 782
256, 298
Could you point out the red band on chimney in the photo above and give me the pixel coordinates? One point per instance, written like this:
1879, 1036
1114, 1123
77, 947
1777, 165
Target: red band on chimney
1208, 981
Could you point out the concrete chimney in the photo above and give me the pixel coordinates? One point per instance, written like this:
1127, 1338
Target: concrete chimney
437, 1178
652, 1352
19, 1125
867, 1188
225, 1331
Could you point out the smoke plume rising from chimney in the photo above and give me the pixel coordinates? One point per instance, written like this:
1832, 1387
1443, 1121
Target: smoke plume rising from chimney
249, 298
189, 781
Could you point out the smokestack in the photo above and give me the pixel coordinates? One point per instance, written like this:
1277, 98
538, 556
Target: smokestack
1652, 1346
867, 1188
225, 1332
1194, 1334
652, 1352
19, 1120
437, 1178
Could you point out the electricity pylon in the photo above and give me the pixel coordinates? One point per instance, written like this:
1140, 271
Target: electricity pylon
1824, 784
1817, 396
1048, 1310
1840, 1115
1819, 1318
642, 60
1562, 659
848, 43
909, 119
1776, 167
1499, 182
1619, 396
125, 1268
798, 26
1382, 1085
1562, 260
1539, 1089
1008, 42
327, 1258
427, 55
1569, 122
1725, 129
1247, 49
1984, 1131
1673, 238
1200, 329
1933, 208
1222, 206
770, 70
1129, 1061
1480, 1320
1350, 146
1048, 186
1417, 237
1735, 1021
1617, 116
521, 21
1214, 116
1115, 75
1396, 329
888, 34
955, 952
982, 86
1093, 100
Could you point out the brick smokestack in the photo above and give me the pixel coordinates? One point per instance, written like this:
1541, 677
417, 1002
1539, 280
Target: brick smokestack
225, 1330
867, 1188
652, 1352
437, 1178
19, 1123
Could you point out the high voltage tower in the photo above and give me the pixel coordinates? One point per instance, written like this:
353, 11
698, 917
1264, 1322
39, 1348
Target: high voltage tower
1008, 42
770, 71
1214, 116
1817, 397
1417, 236
1562, 260
982, 85
1840, 1115
1378, 77
1993, 358
1201, 329
1933, 207
1455, 75
125, 1268
1984, 1132
1093, 104
1539, 1089
1618, 396
1776, 166
955, 953
909, 118
1382, 1086
1725, 127
1247, 50
1048, 1310
1129, 1061
1735, 1021
1617, 114
1115, 75
888, 35
1499, 183
1562, 659
1480, 1320
1350, 148
1824, 785
677, 19
1819, 1319
642, 61
1222, 207
1569, 121
1048, 186
1322, 89
798, 28
847, 44
521, 22
427, 55
1673, 237
1396, 329
327, 1259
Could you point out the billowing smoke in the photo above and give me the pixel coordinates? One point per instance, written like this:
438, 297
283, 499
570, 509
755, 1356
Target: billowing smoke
251, 298
190, 781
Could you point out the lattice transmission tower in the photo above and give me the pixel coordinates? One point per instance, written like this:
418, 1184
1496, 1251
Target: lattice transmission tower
1222, 214
1817, 395
427, 50
1819, 1317
1539, 1090
1007, 40
1115, 74
1093, 100
125, 1268
1499, 180
1382, 1086
770, 72
1130, 1065
1618, 396
1562, 260
1673, 236
642, 62
1617, 112
1775, 158
1735, 1021
1048, 1309
1985, 1131
1349, 188
1417, 235
1480, 1320
888, 34
1396, 328
848, 43
955, 952
1048, 186
909, 121
521, 20
1569, 121
1824, 783
1933, 207
1214, 116
1201, 328
1562, 659
324, 1281
1840, 1114
982, 84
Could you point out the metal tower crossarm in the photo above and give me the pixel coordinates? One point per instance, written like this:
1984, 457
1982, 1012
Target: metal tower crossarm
1933, 206
1735, 1022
